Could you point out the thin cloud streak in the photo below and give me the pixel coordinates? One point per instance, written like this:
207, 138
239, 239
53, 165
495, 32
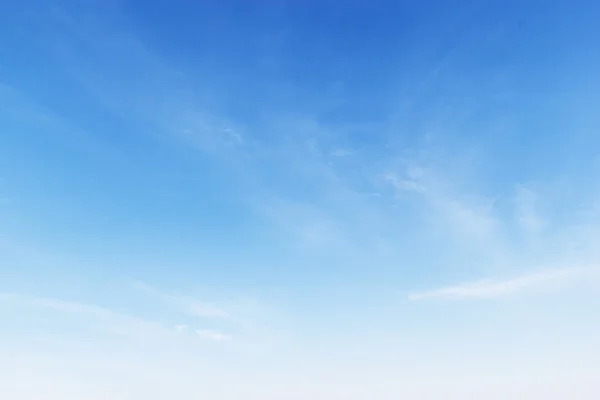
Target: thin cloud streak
472, 217
247, 316
340, 152
213, 335
186, 305
493, 288
112, 321
528, 217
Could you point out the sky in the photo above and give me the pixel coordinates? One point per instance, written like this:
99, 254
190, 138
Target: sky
299, 199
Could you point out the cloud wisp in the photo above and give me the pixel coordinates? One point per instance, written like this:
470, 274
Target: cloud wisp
213, 335
241, 318
494, 288
186, 305
110, 320
472, 218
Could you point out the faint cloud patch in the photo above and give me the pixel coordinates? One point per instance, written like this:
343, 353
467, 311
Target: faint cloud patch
186, 305
181, 328
213, 335
469, 216
492, 288
340, 152
527, 214
207, 132
108, 320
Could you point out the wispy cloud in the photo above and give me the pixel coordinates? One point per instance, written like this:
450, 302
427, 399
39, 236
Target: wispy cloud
136, 83
470, 216
171, 103
491, 288
250, 320
185, 304
404, 184
307, 224
213, 335
341, 152
206, 132
527, 213
109, 320
180, 328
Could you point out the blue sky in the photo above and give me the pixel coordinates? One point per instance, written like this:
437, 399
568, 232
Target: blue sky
353, 200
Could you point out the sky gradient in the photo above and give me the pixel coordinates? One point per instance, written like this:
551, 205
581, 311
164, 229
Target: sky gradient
299, 200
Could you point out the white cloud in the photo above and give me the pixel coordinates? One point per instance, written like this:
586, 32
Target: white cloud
186, 305
180, 328
340, 152
527, 213
474, 220
404, 184
213, 335
469, 216
491, 288
257, 325
105, 319
308, 225
207, 132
